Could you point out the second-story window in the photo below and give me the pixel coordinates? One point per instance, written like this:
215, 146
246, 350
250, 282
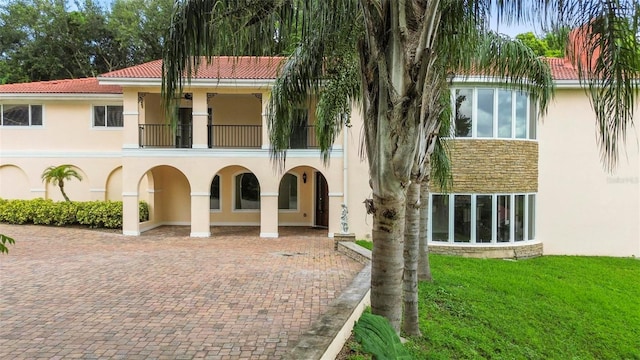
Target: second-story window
107, 116
493, 113
20, 115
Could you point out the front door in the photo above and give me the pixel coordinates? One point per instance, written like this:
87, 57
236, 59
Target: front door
322, 201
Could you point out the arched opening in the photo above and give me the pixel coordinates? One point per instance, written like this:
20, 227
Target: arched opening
14, 184
168, 193
113, 188
303, 198
234, 197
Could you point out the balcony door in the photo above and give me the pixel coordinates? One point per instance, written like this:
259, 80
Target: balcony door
183, 128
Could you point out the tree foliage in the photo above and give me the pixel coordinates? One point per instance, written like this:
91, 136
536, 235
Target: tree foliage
59, 39
57, 175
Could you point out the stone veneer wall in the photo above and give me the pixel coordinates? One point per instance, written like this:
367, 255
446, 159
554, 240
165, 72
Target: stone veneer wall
492, 251
493, 166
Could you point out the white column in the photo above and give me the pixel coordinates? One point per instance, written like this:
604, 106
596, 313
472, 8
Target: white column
269, 215
200, 116
200, 214
130, 219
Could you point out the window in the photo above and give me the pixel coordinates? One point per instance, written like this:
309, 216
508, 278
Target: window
440, 217
482, 218
107, 116
21, 115
214, 194
493, 113
247, 192
288, 192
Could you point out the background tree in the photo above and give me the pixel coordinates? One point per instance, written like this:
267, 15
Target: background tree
552, 44
57, 175
60, 39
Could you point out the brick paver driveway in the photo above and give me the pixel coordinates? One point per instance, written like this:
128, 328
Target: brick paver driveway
75, 293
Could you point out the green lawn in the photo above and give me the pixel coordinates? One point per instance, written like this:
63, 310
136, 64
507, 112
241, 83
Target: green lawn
552, 307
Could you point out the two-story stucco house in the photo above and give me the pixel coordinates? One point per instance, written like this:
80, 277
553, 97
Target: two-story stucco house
522, 184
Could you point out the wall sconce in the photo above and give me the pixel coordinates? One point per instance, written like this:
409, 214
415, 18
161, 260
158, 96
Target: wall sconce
304, 177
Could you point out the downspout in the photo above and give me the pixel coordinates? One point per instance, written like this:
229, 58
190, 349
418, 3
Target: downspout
345, 167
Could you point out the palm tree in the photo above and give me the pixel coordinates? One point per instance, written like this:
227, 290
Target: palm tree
57, 175
384, 55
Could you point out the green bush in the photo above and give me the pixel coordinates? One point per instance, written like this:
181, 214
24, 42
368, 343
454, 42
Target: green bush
94, 214
143, 211
100, 214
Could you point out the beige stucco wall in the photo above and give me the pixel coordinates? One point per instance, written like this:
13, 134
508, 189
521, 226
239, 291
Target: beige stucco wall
582, 209
67, 127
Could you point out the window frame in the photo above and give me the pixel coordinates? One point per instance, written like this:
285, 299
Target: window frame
106, 110
527, 196
530, 114
30, 108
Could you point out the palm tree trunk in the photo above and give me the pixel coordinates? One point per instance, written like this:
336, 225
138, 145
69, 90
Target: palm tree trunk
64, 195
410, 324
424, 268
387, 260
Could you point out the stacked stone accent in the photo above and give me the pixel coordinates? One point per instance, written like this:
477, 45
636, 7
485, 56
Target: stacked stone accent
493, 166
490, 251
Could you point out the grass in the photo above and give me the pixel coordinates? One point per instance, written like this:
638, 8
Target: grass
553, 307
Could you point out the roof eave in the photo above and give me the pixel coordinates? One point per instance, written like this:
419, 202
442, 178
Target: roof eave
60, 96
194, 83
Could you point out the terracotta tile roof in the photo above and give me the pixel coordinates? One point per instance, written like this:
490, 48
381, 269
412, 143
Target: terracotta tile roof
223, 67
70, 86
562, 69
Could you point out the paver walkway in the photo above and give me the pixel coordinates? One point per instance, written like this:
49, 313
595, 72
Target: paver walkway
75, 293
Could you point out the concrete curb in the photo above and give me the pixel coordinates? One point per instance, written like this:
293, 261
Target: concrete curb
330, 332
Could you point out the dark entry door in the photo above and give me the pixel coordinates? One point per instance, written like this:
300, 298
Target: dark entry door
322, 201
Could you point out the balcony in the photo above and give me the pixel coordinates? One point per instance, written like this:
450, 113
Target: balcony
219, 136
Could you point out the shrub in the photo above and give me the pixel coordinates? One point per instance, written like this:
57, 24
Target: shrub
95, 214
143, 211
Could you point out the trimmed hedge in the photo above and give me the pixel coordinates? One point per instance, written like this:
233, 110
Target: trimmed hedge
95, 214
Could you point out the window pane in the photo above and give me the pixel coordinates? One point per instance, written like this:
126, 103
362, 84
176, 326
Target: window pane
98, 116
484, 221
214, 197
519, 218
15, 115
504, 113
521, 115
464, 104
504, 218
485, 112
36, 114
532, 217
462, 218
440, 218
288, 192
247, 192
533, 121
114, 116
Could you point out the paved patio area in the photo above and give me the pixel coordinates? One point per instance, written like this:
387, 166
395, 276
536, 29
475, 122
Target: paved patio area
76, 293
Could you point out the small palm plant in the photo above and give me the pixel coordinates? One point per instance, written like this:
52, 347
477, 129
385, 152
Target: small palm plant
57, 176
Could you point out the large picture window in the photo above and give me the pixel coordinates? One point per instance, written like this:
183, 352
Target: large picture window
20, 115
108, 116
247, 191
493, 113
482, 218
288, 192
